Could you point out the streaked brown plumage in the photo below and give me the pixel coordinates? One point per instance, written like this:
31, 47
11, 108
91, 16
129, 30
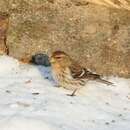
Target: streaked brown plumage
69, 74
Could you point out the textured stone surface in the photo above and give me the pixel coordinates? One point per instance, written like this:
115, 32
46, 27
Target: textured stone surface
118, 4
96, 36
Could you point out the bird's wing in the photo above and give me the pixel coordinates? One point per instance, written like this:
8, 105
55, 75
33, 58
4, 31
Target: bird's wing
78, 71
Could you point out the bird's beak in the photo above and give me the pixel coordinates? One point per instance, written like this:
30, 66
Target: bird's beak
52, 60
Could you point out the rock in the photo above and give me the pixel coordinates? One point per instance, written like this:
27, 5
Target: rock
40, 59
96, 36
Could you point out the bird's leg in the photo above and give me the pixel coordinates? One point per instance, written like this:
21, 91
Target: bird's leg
73, 93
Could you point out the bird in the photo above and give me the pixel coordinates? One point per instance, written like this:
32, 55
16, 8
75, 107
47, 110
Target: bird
69, 74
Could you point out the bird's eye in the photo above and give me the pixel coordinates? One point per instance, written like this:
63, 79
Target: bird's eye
58, 57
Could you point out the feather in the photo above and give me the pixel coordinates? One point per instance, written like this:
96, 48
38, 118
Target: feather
79, 72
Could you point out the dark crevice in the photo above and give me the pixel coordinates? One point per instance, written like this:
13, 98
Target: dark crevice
4, 21
6, 47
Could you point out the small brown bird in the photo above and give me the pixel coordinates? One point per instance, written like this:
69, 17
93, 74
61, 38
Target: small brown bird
69, 74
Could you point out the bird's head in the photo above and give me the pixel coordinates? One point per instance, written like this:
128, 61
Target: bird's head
60, 58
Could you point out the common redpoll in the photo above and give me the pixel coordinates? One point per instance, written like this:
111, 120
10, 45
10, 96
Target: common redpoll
69, 74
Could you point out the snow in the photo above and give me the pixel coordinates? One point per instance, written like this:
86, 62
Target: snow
30, 100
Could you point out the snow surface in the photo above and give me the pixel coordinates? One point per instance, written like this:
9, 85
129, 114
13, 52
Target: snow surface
30, 101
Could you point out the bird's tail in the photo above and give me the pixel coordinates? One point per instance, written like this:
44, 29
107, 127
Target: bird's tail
104, 81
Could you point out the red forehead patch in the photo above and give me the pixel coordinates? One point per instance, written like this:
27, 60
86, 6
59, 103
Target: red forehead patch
57, 53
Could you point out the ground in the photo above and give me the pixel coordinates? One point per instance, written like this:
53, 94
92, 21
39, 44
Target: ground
30, 100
